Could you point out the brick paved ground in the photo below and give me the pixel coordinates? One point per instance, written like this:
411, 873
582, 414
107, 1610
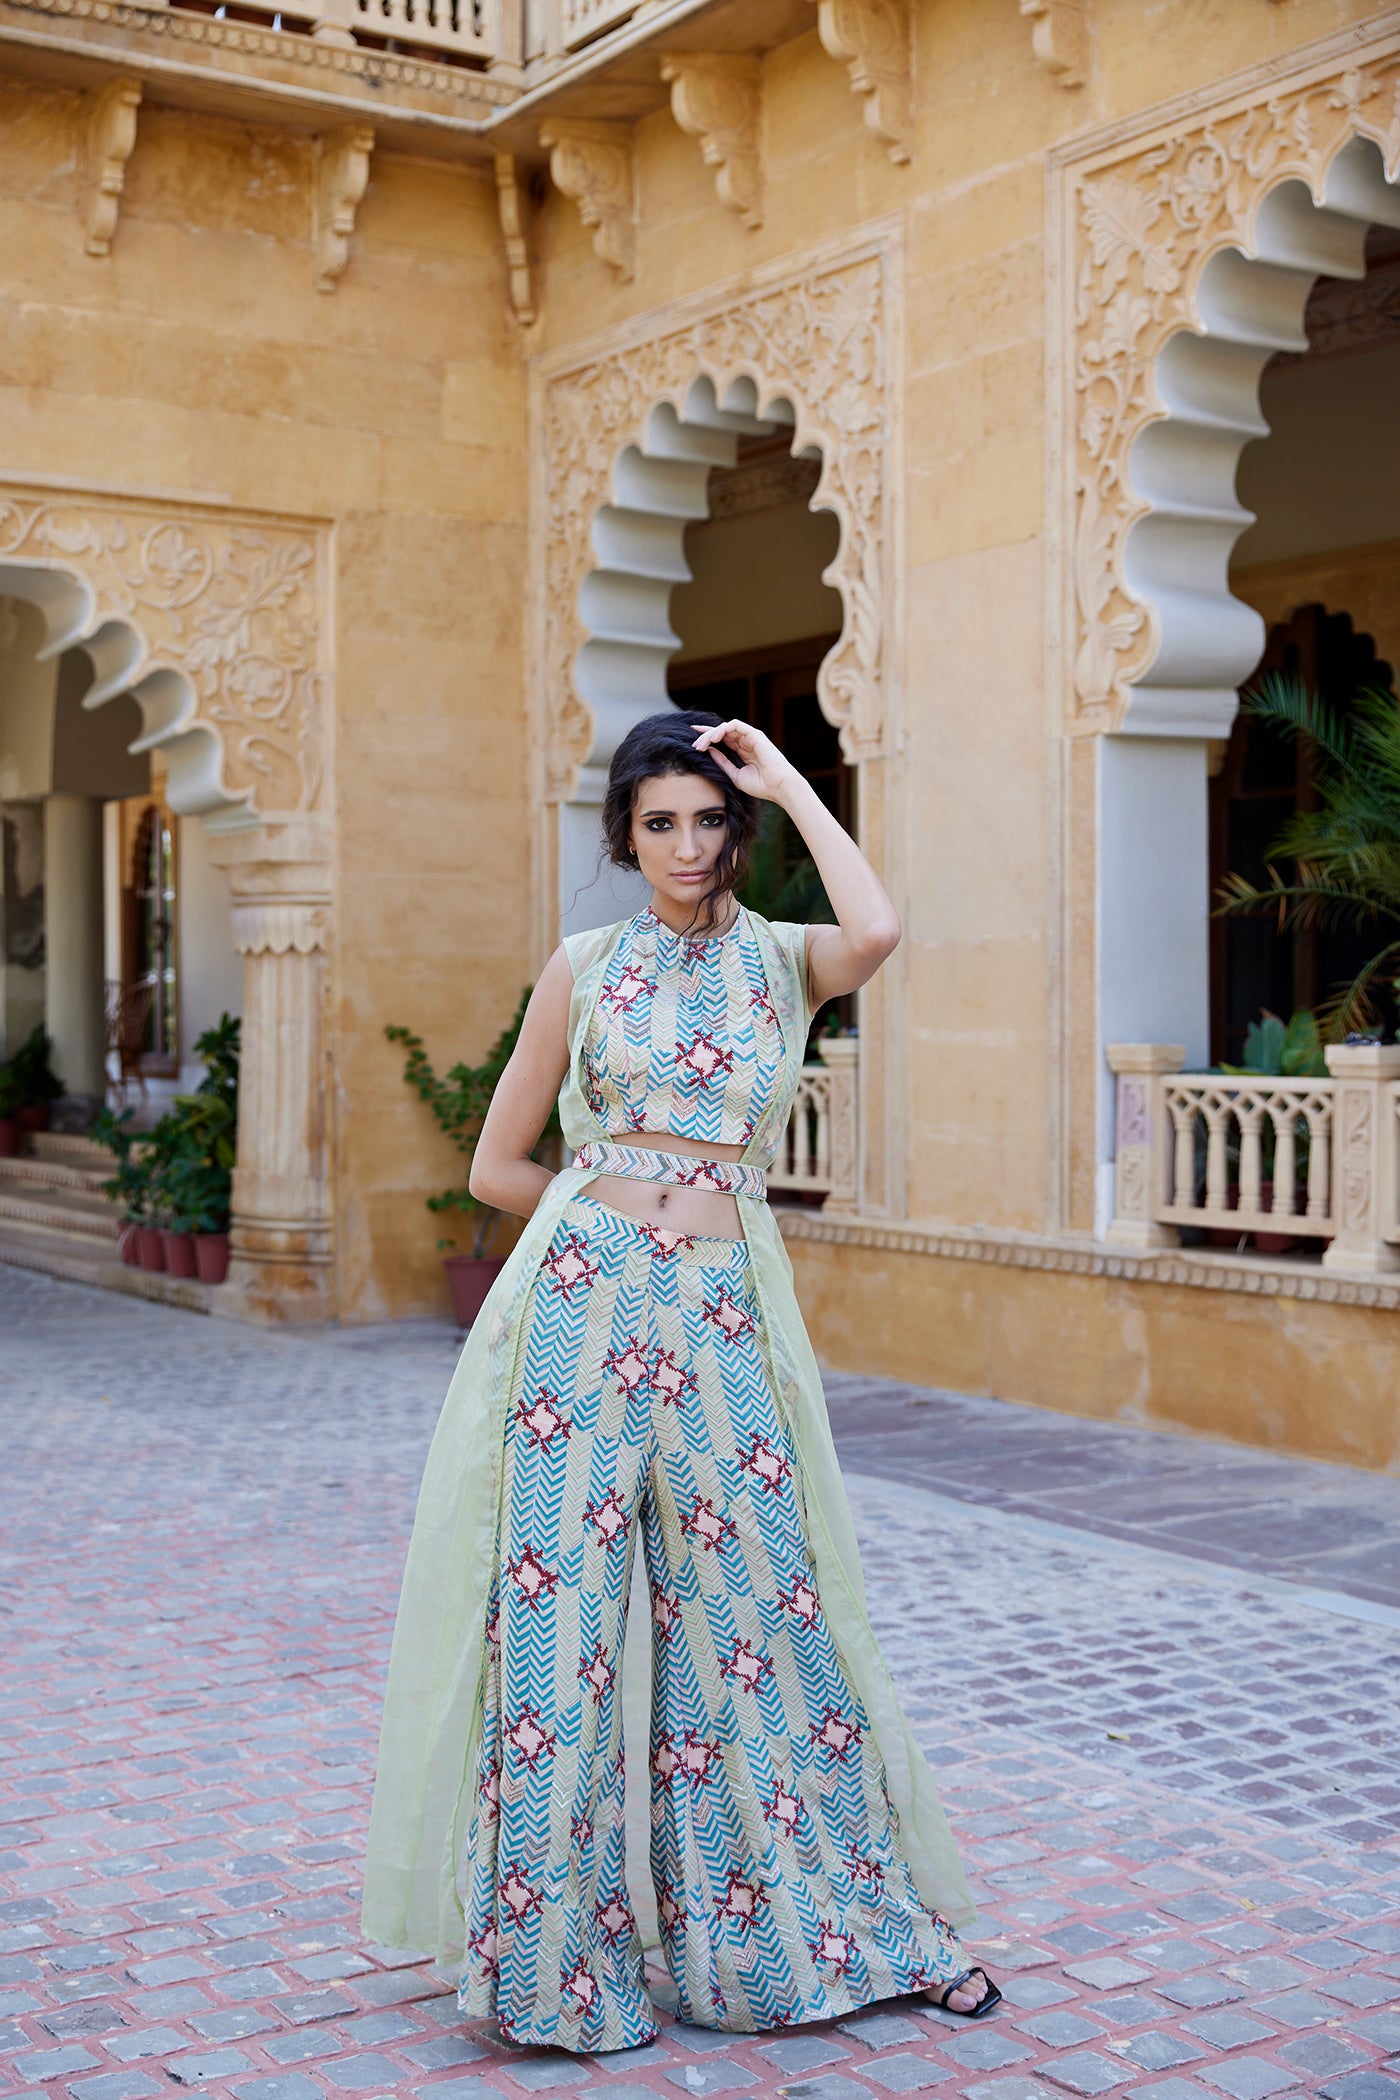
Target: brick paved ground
1176, 1783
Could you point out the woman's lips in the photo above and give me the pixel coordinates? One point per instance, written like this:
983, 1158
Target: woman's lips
699, 875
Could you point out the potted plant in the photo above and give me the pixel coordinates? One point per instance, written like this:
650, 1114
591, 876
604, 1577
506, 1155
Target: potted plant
131, 1184
176, 1183
1275, 1049
39, 1084
9, 1112
459, 1099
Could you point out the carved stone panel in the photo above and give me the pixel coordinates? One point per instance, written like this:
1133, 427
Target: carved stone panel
818, 336
1140, 218
231, 603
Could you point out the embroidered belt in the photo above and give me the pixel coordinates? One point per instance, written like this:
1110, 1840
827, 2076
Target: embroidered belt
638, 1163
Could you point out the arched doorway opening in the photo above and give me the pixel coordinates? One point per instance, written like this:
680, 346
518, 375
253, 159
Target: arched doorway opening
1185, 562
1320, 567
709, 587
755, 623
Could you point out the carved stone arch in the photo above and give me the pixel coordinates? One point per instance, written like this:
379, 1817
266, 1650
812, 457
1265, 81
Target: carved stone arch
630, 432
1193, 256
1185, 247
216, 623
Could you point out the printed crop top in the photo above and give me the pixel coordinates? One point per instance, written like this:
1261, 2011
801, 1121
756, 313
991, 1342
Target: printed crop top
684, 1038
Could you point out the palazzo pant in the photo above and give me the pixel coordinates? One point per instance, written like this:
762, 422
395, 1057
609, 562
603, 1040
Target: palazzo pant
642, 1400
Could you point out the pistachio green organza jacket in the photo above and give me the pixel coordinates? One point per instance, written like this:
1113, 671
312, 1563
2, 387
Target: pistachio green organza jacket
423, 1799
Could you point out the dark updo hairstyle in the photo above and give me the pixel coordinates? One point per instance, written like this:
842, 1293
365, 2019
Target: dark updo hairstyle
652, 748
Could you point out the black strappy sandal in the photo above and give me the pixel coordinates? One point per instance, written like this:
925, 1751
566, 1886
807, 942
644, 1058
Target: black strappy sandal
985, 2004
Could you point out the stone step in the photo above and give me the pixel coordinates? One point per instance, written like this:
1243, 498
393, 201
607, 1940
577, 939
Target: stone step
60, 1212
77, 1262
26, 1173
69, 1151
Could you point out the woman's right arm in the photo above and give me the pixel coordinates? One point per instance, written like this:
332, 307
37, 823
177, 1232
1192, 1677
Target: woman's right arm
503, 1173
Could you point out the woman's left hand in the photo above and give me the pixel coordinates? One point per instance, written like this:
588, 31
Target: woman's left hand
762, 772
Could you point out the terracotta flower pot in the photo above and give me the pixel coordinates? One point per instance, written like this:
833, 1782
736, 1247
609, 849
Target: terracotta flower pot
1272, 1242
152, 1252
211, 1256
129, 1245
9, 1137
469, 1278
35, 1117
179, 1252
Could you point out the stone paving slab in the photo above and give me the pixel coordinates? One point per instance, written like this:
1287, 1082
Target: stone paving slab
1175, 1787
1199, 1496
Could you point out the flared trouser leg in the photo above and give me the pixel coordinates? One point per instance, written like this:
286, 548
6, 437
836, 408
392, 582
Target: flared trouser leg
642, 1401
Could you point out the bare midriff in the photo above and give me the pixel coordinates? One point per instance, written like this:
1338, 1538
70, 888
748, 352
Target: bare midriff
704, 1212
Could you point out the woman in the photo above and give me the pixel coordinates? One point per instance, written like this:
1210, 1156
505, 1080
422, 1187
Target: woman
642, 1366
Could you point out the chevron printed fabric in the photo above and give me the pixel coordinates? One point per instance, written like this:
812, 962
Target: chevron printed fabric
641, 1401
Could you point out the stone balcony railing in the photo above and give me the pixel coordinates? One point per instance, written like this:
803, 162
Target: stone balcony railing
818, 1152
1289, 1164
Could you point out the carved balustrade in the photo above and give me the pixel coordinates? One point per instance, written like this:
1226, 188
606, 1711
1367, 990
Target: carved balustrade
470, 28
1236, 1156
818, 1153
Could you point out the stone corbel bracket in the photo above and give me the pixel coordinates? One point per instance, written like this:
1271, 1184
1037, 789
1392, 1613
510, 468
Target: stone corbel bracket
591, 161
513, 207
1060, 38
872, 39
341, 182
716, 100
110, 113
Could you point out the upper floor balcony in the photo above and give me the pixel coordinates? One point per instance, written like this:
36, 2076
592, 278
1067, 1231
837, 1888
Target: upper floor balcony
420, 70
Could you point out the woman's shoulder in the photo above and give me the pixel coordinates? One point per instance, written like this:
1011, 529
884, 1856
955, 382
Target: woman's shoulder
790, 935
584, 949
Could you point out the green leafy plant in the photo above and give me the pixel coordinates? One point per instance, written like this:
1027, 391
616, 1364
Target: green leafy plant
783, 882
1346, 852
180, 1174
32, 1067
1291, 1051
459, 1099
132, 1184
10, 1095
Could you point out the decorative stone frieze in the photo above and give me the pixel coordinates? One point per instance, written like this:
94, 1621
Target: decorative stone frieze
591, 161
1059, 38
341, 181
109, 114
820, 336
715, 99
230, 604
512, 205
136, 34
1142, 216
1256, 1276
765, 483
871, 38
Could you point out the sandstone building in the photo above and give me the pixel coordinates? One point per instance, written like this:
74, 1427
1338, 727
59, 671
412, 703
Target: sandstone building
400, 396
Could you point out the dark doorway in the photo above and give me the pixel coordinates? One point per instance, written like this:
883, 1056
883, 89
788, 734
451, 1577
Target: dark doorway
1264, 779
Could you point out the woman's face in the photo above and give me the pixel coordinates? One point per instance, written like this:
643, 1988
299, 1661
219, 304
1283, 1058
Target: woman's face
679, 825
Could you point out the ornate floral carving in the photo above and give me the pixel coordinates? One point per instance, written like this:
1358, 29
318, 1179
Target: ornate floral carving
1059, 38
341, 181
716, 100
231, 604
592, 163
110, 114
1145, 220
819, 338
871, 38
512, 207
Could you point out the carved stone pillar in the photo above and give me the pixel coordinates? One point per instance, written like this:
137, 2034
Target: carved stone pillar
1364, 1165
840, 1054
1143, 1152
281, 1257
73, 942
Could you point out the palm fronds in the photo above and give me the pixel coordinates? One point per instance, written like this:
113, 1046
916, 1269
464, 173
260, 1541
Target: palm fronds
1346, 852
